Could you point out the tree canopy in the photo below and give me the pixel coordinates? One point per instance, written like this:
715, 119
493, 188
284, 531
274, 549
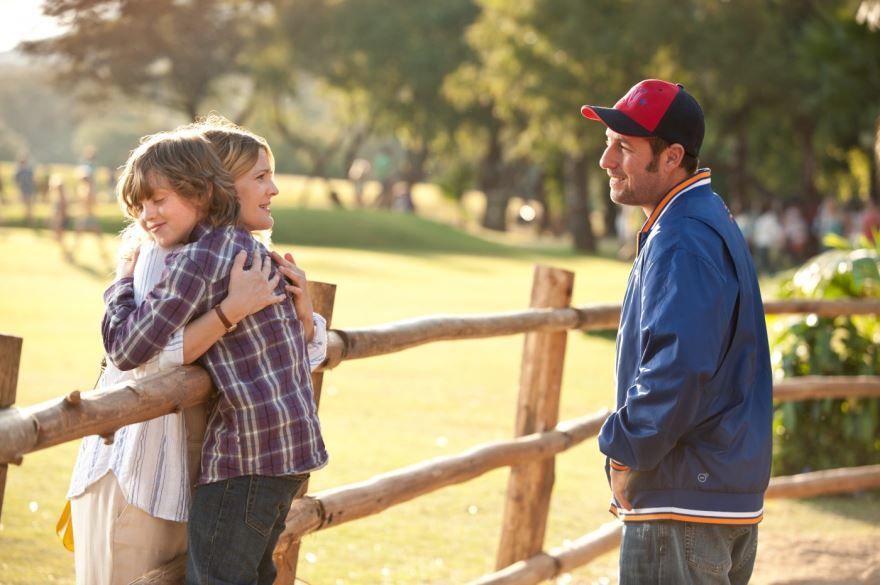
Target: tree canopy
488, 91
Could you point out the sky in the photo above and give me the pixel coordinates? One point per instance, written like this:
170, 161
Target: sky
22, 20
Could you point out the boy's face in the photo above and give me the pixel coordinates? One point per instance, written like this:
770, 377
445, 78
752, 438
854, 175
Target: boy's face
168, 217
255, 190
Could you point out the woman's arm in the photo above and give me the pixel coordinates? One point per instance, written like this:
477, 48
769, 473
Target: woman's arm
314, 325
302, 302
250, 291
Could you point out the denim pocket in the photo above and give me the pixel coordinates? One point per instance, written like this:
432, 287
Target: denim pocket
707, 546
263, 507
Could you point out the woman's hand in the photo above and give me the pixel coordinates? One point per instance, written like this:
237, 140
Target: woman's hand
296, 286
125, 268
251, 290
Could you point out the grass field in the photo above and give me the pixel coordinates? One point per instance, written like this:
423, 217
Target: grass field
378, 414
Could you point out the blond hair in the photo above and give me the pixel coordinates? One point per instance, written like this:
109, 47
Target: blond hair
237, 147
238, 150
192, 169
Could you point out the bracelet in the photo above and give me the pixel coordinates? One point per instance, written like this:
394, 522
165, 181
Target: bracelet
226, 322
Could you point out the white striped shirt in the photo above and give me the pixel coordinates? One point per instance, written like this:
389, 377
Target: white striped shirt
149, 459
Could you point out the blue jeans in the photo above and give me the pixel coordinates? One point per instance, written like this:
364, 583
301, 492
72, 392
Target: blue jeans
233, 528
684, 553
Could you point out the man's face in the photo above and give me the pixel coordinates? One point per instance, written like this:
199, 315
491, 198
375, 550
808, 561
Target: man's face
634, 177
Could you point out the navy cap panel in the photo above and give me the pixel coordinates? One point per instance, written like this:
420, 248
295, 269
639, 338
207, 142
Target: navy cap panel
620, 122
683, 124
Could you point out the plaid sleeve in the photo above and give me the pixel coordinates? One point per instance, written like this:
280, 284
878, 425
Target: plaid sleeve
134, 334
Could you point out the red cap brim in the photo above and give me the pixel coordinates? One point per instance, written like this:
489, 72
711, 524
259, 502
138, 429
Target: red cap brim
589, 113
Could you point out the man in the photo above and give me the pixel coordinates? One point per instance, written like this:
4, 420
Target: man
689, 445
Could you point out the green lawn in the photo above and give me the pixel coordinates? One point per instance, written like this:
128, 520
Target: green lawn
378, 414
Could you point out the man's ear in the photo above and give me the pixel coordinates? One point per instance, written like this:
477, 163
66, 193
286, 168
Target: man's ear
673, 156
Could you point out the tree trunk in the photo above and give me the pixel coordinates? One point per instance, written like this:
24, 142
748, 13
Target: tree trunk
806, 128
741, 162
875, 161
577, 204
356, 139
415, 168
491, 183
609, 217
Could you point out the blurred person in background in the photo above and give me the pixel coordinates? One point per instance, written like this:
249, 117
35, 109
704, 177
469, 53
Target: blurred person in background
745, 219
769, 239
797, 234
829, 220
870, 220
358, 174
24, 180
87, 220
852, 220
59, 221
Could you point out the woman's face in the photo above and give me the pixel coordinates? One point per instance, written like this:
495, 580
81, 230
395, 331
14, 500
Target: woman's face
255, 190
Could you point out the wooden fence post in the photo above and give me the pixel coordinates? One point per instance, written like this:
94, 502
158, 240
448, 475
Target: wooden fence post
286, 557
10, 357
530, 485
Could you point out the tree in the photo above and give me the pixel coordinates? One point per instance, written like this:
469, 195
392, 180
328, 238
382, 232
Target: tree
394, 55
539, 61
171, 52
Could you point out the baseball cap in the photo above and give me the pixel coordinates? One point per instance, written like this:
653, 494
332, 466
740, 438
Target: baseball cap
655, 108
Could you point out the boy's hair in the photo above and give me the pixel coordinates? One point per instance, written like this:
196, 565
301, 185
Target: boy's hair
187, 161
237, 148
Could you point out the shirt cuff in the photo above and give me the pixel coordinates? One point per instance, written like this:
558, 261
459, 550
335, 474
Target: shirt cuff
317, 347
119, 290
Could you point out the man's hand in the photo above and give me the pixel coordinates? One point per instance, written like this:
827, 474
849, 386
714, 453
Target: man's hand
619, 480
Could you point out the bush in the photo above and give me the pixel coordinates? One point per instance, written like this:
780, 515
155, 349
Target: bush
828, 433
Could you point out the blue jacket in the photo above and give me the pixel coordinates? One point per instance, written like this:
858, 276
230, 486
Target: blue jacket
694, 387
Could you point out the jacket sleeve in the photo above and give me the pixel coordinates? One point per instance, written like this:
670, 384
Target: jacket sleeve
134, 334
687, 306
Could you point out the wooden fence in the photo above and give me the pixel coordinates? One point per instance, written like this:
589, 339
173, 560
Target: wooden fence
530, 455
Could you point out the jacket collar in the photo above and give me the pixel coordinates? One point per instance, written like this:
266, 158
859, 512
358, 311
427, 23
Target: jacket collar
701, 177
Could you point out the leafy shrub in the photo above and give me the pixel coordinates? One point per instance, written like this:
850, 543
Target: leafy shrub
828, 433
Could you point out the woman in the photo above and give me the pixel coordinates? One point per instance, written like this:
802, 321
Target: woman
130, 501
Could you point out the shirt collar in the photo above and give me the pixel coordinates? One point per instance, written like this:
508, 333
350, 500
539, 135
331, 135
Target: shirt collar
198, 231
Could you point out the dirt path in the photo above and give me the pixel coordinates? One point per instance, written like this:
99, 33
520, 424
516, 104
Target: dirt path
817, 560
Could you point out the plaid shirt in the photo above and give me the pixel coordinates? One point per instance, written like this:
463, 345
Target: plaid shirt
266, 421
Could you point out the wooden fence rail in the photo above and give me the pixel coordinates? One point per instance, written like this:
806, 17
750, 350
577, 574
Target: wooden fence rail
397, 336
547, 565
101, 412
349, 502
530, 455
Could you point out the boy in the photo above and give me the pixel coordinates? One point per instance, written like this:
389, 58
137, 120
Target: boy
263, 438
